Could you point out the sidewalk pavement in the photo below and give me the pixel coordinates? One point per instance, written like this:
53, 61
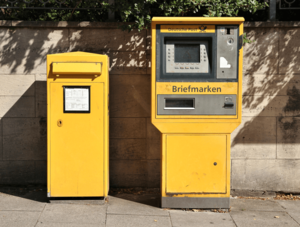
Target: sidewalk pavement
31, 208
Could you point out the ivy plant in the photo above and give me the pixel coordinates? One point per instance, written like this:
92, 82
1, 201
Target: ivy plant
141, 11
138, 12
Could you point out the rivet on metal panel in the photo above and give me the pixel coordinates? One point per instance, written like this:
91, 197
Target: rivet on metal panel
59, 123
215, 163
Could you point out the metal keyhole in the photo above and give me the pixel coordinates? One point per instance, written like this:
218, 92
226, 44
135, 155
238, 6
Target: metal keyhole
59, 123
230, 41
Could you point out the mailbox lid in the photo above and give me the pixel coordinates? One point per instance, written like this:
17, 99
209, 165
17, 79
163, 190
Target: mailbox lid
196, 164
77, 67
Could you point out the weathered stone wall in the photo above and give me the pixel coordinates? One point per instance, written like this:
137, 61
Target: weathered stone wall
265, 148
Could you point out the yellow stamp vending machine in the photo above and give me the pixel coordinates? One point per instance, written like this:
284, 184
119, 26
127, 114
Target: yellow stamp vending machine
78, 117
196, 101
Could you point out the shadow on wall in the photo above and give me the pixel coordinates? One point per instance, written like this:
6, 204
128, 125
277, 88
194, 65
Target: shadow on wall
23, 135
23, 50
265, 147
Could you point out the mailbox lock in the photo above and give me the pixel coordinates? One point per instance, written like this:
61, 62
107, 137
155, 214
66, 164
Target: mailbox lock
59, 123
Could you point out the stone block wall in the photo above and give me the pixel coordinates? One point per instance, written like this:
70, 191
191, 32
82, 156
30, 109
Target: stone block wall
265, 148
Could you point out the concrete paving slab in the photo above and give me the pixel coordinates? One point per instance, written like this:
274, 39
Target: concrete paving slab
18, 218
289, 204
292, 207
252, 193
71, 213
262, 219
137, 221
201, 219
254, 204
80, 201
47, 224
15, 203
148, 199
122, 206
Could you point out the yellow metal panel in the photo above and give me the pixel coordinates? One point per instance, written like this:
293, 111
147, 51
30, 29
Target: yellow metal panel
188, 126
191, 163
211, 88
77, 146
76, 67
190, 20
187, 29
240, 74
164, 169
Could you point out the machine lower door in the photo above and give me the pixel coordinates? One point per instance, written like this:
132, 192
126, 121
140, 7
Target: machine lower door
76, 138
196, 164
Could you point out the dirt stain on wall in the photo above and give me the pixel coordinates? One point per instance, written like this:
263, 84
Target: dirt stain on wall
290, 125
293, 104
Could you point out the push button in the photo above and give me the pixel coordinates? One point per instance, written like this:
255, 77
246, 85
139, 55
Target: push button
228, 104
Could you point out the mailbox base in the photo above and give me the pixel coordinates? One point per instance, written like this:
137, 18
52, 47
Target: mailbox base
195, 202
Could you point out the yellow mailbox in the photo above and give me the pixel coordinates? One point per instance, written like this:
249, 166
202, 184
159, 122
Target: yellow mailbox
196, 103
77, 97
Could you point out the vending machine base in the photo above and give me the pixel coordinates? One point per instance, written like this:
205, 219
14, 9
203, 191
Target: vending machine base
196, 170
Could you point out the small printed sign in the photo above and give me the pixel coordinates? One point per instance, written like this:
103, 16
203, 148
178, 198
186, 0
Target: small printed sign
76, 99
188, 28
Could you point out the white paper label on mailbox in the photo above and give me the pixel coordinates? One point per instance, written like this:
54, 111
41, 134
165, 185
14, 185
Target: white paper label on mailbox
77, 99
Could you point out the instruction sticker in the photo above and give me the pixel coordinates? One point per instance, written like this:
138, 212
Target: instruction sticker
76, 99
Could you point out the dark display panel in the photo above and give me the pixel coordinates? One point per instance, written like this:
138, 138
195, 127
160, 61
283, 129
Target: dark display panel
187, 53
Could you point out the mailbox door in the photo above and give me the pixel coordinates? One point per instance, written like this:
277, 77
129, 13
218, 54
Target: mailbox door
77, 143
195, 164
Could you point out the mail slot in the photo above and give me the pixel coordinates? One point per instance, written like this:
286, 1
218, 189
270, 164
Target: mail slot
179, 103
